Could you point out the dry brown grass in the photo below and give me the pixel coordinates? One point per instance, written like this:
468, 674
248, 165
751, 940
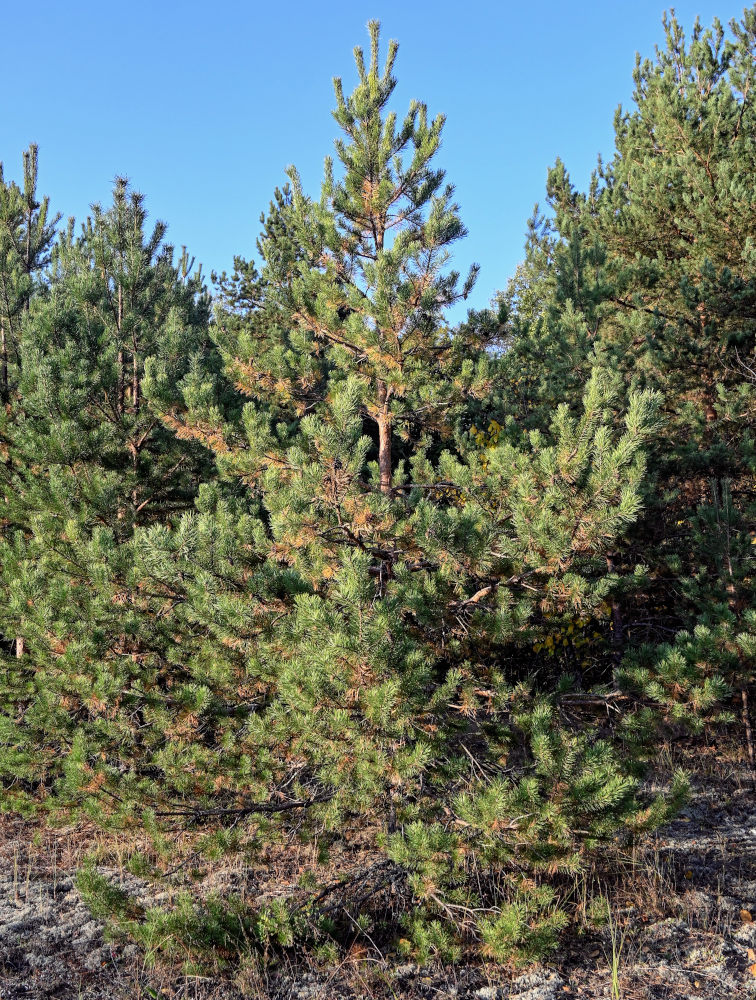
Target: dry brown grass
674, 900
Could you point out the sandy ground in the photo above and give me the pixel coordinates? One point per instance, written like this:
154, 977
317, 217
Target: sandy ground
689, 920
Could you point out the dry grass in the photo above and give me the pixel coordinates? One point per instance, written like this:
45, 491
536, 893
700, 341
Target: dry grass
675, 903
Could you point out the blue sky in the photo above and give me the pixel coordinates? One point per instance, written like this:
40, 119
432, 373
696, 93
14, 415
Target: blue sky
203, 105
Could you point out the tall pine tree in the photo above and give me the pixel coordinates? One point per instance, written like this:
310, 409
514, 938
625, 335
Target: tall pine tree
652, 270
350, 597
26, 234
87, 461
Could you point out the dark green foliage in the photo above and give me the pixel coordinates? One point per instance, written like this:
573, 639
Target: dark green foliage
343, 620
86, 461
327, 571
26, 235
652, 271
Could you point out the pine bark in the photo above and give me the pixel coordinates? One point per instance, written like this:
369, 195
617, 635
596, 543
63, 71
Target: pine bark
384, 438
4, 374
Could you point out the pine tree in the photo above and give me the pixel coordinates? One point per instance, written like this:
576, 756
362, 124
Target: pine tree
358, 279
329, 634
675, 212
352, 592
86, 462
553, 308
26, 235
668, 301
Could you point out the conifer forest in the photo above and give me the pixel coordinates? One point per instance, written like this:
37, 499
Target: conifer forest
334, 629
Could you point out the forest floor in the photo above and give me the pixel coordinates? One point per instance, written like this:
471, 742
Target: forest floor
686, 920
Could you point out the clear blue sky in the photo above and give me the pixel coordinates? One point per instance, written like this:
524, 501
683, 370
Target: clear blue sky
203, 105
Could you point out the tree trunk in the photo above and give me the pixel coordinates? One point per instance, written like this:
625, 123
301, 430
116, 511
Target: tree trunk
4, 376
384, 438
121, 389
28, 261
135, 394
749, 734
617, 624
